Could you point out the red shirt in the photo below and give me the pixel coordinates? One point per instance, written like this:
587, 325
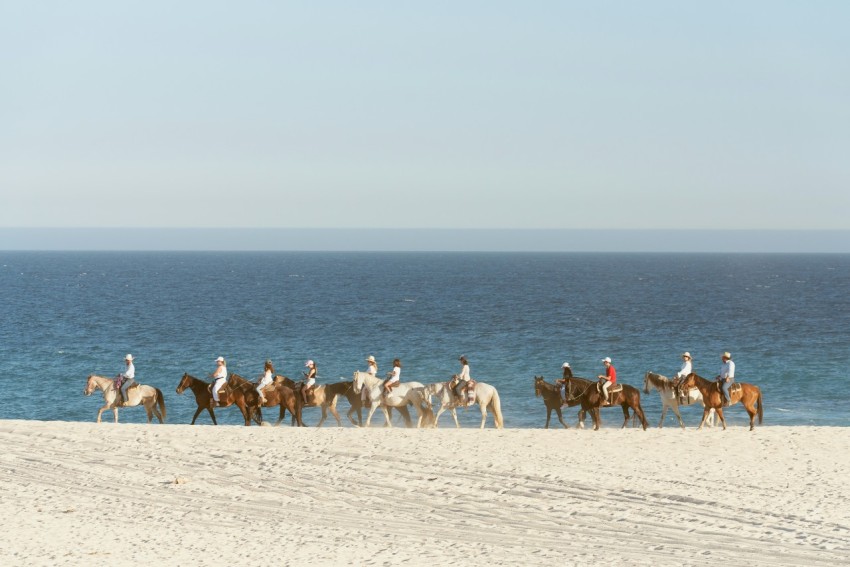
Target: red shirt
611, 373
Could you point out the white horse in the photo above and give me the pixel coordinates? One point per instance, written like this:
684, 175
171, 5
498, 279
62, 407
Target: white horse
405, 393
670, 399
138, 394
485, 396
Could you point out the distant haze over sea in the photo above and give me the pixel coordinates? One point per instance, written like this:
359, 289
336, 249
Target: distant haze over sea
416, 239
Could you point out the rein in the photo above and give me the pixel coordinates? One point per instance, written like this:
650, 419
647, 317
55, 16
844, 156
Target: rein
570, 391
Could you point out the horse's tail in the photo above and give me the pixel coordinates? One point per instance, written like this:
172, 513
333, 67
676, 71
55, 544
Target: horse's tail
761, 406
160, 399
496, 406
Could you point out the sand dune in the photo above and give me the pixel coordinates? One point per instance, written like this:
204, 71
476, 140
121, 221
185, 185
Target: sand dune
82, 494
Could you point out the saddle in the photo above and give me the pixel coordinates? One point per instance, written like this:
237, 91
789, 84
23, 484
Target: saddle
612, 390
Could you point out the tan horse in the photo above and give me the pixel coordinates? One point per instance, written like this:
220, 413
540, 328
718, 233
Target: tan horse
748, 394
138, 394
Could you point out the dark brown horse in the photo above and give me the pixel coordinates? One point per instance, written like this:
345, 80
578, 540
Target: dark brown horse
748, 394
586, 393
276, 394
551, 394
203, 397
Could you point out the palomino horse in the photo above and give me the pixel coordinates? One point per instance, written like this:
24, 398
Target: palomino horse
138, 394
669, 397
551, 394
748, 394
585, 392
203, 397
407, 393
486, 396
323, 396
276, 394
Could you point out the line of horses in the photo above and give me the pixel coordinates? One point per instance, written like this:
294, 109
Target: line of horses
365, 391
691, 390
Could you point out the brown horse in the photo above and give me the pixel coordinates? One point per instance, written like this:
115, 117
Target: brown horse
748, 394
276, 394
586, 393
551, 394
203, 396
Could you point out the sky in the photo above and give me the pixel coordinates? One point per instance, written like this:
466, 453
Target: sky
559, 115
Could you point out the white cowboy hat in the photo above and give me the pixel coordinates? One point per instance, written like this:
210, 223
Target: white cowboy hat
607, 359
565, 365
727, 355
686, 355
370, 358
309, 363
129, 357
220, 359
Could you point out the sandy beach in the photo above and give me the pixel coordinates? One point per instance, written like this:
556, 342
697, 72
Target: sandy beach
83, 494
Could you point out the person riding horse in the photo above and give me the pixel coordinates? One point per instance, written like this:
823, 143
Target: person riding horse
562, 382
126, 379
462, 381
310, 377
726, 377
393, 378
608, 379
686, 369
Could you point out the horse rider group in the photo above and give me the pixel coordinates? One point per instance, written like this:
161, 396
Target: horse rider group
724, 379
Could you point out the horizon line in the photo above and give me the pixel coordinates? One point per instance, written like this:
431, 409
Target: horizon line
150, 239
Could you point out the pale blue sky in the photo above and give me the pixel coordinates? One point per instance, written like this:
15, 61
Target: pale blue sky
634, 115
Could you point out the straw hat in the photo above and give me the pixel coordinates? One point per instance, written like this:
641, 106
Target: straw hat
727, 355
370, 358
220, 359
687, 355
129, 357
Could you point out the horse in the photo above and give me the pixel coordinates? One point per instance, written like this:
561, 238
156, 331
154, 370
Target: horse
137, 394
748, 394
203, 397
551, 394
323, 396
585, 392
407, 393
276, 394
486, 396
669, 397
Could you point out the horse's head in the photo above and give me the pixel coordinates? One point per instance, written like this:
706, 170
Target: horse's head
538, 380
689, 381
91, 385
646, 382
358, 382
185, 382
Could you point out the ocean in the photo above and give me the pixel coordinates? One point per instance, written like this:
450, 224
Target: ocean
65, 315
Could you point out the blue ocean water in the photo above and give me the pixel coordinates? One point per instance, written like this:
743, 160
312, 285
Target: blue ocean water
785, 318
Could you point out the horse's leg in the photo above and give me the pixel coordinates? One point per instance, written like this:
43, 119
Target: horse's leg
100, 412
454, 415
324, 416
594, 414
722, 418
389, 421
581, 415
372, 408
664, 405
675, 405
197, 413
625, 415
483, 414
439, 413
212, 415
335, 413
149, 412
548, 416
560, 417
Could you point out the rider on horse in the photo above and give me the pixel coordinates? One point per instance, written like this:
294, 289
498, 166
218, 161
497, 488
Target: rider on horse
310, 377
608, 379
266, 379
686, 369
726, 377
393, 377
125, 379
562, 382
219, 378
462, 380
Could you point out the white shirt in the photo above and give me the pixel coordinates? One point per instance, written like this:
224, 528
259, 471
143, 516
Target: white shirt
464, 373
266, 379
396, 374
129, 372
372, 369
686, 369
727, 370
220, 373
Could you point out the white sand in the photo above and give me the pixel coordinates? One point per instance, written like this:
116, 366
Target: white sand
82, 494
